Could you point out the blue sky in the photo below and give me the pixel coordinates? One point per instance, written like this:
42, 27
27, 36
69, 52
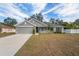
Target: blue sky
65, 11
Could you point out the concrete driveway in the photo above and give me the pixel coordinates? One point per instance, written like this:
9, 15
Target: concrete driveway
11, 44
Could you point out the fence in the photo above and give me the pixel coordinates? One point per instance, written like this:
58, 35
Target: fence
71, 30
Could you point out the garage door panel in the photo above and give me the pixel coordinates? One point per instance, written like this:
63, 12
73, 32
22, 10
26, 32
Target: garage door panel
24, 30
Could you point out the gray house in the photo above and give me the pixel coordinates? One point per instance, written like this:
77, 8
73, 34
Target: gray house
34, 26
28, 26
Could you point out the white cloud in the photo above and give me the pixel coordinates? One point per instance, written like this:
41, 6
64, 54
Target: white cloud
38, 7
67, 9
16, 10
2, 15
46, 18
53, 9
68, 12
12, 10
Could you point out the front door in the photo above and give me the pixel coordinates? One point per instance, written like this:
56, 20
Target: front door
37, 30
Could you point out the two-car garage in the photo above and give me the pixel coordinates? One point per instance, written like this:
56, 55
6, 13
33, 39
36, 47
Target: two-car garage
24, 30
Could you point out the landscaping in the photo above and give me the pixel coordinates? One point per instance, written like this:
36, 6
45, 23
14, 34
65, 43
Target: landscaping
51, 45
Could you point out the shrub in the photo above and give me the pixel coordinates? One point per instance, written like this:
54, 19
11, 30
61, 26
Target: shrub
33, 31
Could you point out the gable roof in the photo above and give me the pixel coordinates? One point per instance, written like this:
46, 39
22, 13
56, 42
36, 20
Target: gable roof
31, 23
38, 23
25, 24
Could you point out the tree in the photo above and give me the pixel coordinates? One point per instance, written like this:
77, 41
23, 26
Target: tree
10, 21
64, 23
52, 20
37, 17
71, 26
33, 16
77, 21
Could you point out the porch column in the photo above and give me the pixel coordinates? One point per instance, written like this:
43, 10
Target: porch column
54, 29
34, 29
62, 30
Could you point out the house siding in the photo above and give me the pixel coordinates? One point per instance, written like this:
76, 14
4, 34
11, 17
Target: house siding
24, 24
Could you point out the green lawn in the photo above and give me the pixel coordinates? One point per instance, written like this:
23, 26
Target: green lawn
5, 34
51, 44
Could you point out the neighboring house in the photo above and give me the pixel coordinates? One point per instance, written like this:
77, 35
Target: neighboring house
6, 29
28, 26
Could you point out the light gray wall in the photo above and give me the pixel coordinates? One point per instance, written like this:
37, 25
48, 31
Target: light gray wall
25, 24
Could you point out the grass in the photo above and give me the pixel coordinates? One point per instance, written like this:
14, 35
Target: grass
5, 34
51, 45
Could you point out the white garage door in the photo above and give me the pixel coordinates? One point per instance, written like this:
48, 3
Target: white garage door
24, 30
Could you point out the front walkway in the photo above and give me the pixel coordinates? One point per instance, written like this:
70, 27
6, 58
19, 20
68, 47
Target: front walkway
11, 44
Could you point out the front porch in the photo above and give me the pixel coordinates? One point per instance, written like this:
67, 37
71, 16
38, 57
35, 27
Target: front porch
47, 30
41, 29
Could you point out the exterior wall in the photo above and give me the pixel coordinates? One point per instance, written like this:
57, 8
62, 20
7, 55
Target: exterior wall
24, 24
8, 30
24, 30
71, 30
